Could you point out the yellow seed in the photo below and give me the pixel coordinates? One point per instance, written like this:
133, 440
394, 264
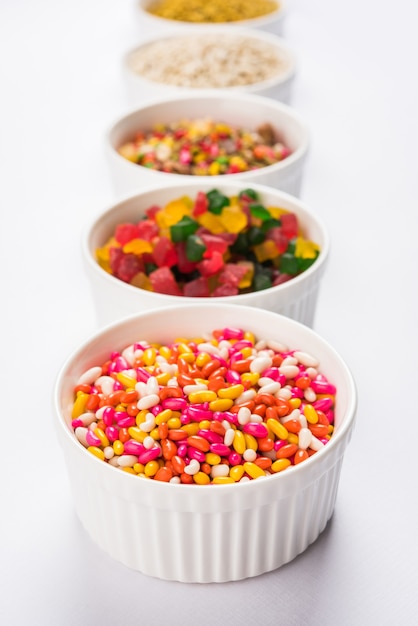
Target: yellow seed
191, 429
129, 470
118, 447
174, 422
101, 435
79, 404
163, 378
295, 403
151, 468
277, 429
250, 377
198, 397
250, 442
310, 414
239, 443
200, 478
223, 480
236, 472
221, 404
126, 381
280, 465
149, 356
234, 391
96, 452
203, 358
164, 416
136, 433
253, 470
212, 458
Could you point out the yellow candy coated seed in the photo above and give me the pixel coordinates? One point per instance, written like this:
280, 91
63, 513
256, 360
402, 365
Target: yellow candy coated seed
202, 359
96, 452
223, 480
165, 352
138, 468
129, 470
212, 458
149, 356
250, 442
198, 397
200, 478
79, 404
293, 438
101, 435
277, 428
310, 414
174, 422
236, 472
164, 416
141, 417
118, 447
246, 353
126, 381
191, 429
250, 377
204, 424
221, 404
249, 336
253, 470
163, 378
188, 357
151, 468
280, 465
136, 433
233, 392
295, 403
239, 443
154, 433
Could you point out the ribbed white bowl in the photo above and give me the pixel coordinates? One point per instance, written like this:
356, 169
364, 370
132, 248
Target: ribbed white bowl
238, 110
114, 298
212, 533
141, 89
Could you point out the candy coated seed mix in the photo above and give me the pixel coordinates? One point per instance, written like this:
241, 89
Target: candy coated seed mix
212, 245
219, 409
204, 148
202, 61
213, 11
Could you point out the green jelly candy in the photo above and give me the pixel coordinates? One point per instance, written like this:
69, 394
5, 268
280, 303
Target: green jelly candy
260, 211
217, 201
289, 264
183, 229
195, 248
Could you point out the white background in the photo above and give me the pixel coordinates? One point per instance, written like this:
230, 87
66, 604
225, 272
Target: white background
61, 87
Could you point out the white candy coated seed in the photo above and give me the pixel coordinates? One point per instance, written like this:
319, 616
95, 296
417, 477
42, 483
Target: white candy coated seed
305, 438
127, 460
173, 382
109, 452
306, 359
175, 480
129, 355
188, 389
272, 387
294, 415
316, 444
152, 385
80, 433
303, 421
106, 384
90, 376
256, 419
284, 393
260, 363
148, 401
219, 470
277, 346
265, 380
244, 415
208, 347
226, 424
312, 372
192, 468
141, 388
149, 423
114, 461
229, 436
289, 360
247, 395
309, 394
261, 345
148, 442
289, 371
249, 455
88, 418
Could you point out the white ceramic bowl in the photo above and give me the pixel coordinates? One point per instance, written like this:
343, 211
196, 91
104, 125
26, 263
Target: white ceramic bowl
211, 533
149, 23
143, 86
114, 298
238, 110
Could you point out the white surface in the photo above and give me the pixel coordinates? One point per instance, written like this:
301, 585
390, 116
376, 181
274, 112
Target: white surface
61, 84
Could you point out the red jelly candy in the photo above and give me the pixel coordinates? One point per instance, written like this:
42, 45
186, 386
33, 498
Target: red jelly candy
197, 288
289, 225
163, 281
209, 267
129, 265
164, 252
125, 233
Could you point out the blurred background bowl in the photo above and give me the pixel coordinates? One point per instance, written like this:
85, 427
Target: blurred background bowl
204, 533
154, 24
237, 110
221, 57
114, 298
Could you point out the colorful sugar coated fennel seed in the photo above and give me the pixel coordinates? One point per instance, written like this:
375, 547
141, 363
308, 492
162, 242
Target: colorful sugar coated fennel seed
214, 11
203, 147
209, 246
225, 408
